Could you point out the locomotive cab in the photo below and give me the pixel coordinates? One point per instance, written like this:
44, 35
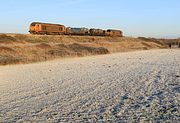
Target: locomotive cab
33, 28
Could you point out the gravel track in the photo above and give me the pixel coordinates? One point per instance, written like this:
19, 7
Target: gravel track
142, 86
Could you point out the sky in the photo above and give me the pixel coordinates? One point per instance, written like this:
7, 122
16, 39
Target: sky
149, 18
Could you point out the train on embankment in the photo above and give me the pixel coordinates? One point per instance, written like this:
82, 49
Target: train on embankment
58, 29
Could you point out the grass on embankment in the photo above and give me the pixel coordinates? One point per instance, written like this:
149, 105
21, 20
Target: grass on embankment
24, 48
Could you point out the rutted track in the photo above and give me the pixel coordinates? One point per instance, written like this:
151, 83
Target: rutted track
126, 87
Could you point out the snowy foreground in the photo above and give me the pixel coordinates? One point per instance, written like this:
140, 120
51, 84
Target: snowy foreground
137, 86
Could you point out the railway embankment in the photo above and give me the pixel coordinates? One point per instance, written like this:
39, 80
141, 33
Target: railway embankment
26, 48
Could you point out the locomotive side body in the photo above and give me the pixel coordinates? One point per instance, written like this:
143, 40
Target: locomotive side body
114, 33
46, 28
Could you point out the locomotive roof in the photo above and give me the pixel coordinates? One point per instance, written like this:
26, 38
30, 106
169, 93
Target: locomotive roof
114, 30
34, 23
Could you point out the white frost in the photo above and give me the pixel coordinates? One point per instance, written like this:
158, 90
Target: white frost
135, 86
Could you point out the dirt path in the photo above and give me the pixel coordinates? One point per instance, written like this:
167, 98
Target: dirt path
135, 86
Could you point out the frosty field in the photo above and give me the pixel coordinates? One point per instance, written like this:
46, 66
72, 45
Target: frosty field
139, 86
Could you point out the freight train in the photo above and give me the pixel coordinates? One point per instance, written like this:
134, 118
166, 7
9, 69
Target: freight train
58, 29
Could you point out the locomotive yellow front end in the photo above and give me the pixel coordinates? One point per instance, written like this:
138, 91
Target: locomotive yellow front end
32, 29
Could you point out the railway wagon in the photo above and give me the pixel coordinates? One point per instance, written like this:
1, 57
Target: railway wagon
47, 28
97, 32
116, 33
77, 31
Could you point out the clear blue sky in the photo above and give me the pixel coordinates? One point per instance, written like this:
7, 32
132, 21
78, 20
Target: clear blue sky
151, 18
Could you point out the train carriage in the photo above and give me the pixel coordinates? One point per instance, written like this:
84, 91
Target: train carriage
77, 31
97, 32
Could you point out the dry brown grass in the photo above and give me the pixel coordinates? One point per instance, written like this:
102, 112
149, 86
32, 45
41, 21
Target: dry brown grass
43, 46
21, 48
6, 49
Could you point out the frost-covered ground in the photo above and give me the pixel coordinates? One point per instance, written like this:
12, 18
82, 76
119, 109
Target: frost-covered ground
137, 86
